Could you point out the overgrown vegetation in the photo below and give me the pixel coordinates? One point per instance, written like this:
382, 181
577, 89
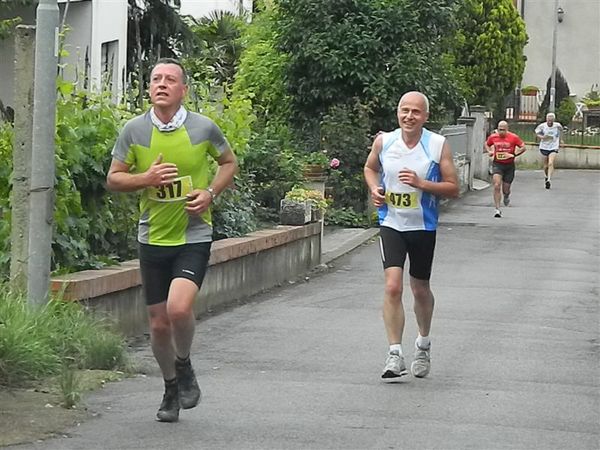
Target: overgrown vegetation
38, 342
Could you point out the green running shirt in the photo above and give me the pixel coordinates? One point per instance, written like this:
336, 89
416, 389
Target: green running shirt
163, 219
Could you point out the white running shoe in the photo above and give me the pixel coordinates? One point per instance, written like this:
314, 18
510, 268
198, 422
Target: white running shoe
394, 366
421, 363
497, 213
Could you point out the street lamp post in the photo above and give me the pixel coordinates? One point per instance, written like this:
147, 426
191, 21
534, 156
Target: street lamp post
555, 21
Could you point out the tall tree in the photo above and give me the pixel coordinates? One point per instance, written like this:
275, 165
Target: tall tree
155, 30
372, 50
489, 49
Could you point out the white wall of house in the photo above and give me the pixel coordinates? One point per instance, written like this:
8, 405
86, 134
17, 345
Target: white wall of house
578, 43
202, 8
95, 25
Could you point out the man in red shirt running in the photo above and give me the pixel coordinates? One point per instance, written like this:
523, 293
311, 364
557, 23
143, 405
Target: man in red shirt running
503, 146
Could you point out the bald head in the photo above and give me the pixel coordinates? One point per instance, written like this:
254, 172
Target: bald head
502, 127
415, 95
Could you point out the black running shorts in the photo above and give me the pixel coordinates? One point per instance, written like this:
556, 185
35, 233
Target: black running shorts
159, 265
506, 170
419, 245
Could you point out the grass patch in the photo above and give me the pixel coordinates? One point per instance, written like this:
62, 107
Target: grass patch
55, 339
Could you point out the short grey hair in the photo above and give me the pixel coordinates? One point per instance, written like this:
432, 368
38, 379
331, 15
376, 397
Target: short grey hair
423, 96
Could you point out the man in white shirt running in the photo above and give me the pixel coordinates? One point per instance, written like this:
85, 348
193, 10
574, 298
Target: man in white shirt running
549, 133
407, 171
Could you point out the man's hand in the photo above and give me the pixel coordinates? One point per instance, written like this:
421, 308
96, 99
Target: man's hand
161, 174
409, 177
378, 196
198, 201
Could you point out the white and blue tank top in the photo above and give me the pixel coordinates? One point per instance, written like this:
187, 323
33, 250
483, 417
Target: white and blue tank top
407, 208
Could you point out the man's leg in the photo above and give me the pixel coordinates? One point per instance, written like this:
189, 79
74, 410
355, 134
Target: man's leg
162, 347
180, 309
393, 319
161, 339
545, 163
550, 168
424, 303
497, 181
393, 309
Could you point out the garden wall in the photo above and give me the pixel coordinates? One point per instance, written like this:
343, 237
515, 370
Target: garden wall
238, 268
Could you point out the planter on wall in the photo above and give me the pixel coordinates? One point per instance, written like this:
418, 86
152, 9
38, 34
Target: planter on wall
294, 212
314, 172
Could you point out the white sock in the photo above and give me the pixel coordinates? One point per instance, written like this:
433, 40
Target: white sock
396, 348
423, 342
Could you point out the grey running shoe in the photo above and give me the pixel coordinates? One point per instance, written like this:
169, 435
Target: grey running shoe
421, 363
189, 391
506, 199
169, 407
497, 213
394, 366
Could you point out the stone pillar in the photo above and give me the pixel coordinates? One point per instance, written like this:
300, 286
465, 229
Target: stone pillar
480, 161
24, 74
469, 122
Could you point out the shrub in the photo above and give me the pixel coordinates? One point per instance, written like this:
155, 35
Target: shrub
566, 111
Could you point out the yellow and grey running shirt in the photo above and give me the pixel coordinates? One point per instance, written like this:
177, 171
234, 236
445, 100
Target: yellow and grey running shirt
407, 208
163, 219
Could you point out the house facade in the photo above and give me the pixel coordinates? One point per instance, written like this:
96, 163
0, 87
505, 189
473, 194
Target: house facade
202, 8
96, 43
578, 42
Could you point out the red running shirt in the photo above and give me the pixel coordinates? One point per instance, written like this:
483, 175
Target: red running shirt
504, 147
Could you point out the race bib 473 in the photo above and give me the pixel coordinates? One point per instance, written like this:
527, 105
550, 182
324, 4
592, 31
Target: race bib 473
174, 192
404, 200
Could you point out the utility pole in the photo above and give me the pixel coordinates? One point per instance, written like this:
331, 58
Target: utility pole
552, 105
41, 206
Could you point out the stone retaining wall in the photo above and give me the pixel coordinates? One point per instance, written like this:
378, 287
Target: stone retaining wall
238, 268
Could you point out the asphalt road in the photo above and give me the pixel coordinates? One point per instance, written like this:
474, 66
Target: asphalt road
515, 356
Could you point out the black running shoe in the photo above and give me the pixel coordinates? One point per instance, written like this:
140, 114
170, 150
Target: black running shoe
189, 391
547, 184
169, 407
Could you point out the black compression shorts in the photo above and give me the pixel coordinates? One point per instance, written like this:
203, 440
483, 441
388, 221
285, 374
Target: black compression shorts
159, 265
419, 245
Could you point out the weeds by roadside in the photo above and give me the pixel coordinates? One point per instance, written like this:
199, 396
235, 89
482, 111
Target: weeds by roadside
55, 339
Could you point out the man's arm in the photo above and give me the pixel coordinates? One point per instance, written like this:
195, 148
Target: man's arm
520, 149
371, 172
200, 199
120, 180
448, 187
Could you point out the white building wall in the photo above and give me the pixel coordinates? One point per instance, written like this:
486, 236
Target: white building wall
578, 43
91, 23
202, 8
109, 24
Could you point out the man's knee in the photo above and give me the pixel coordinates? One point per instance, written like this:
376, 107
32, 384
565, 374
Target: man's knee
421, 291
393, 289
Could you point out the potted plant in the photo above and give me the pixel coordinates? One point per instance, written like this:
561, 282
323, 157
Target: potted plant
529, 90
315, 166
592, 98
301, 206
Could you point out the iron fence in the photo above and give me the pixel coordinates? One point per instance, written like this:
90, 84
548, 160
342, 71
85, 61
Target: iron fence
575, 134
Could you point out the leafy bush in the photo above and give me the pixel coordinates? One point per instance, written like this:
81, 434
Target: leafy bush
345, 136
347, 217
566, 111
274, 167
233, 212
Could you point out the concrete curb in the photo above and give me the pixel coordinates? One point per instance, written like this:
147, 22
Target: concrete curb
347, 244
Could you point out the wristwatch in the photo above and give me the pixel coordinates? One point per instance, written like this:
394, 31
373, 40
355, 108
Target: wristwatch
211, 191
